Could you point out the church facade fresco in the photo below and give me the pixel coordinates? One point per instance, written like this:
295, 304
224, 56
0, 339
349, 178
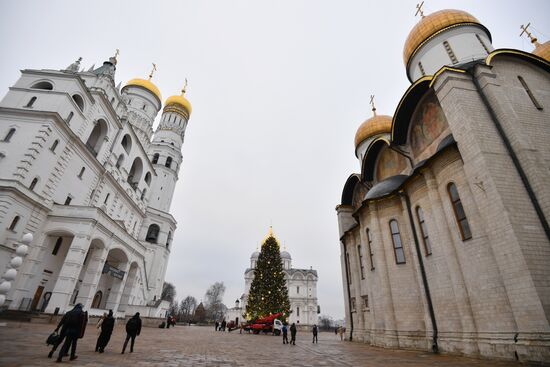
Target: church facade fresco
428, 123
429, 250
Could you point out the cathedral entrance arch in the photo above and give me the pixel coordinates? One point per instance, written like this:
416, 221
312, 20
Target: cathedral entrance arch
54, 253
130, 294
112, 279
90, 273
97, 299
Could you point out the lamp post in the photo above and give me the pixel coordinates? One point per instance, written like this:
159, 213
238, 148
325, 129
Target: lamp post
15, 263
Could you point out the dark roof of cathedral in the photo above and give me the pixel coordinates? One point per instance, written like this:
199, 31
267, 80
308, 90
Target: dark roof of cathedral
386, 187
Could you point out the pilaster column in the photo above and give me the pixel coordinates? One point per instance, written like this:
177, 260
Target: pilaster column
68, 276
444, 240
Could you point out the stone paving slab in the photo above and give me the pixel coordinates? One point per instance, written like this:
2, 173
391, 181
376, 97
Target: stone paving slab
23, 344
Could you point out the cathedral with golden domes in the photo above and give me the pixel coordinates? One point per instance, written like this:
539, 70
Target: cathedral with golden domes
84, 172
445, 229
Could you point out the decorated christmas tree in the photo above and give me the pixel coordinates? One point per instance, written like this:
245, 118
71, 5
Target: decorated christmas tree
268, 292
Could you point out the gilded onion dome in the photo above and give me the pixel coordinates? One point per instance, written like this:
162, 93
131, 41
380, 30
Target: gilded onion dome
433, 24
146, 84
378, 124
180, 101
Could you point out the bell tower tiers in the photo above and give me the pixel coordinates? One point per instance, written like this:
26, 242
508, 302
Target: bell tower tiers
165, 150
144, 101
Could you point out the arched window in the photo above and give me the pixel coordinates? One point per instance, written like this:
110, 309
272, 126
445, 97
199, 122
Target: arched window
152, 233
97, 137
33, 183
397, 244
43, 85
361, 266
106, 198
54, 145
79, 101
168, 162
168, 239
14, 222
57, 245
135, 172
81, 172
31, 102
424, 230
70, 117
148, 178
120, 160
371, 255
143, 194
155, 158
126, 143
460, 214
297, 311
9, 135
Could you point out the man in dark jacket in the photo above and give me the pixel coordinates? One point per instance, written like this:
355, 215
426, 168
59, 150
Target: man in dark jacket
74, 322
293, 334
106, 330
133, 328
285, 334
314, 331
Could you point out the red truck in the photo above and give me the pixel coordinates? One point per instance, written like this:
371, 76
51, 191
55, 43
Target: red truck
266, 324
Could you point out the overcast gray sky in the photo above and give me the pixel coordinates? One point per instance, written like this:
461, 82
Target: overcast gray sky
278, 90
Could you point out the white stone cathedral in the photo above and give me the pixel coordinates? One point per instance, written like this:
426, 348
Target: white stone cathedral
82, 170
302, 289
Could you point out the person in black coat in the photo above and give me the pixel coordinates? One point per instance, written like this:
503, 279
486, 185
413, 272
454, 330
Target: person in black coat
107, 327
314, 331
74, 323
293, 334
133, 328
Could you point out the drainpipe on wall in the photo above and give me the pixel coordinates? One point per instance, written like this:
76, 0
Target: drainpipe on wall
435, 347
512, 153
349, 291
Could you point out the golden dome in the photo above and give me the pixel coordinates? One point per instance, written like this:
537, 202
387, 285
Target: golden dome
147, 84
432, 24
543, 51
179, 100
378, 124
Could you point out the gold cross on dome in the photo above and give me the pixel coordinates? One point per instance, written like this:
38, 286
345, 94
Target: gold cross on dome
184, 87
153, 70
372, 103
529, 34
117, 52
419, 9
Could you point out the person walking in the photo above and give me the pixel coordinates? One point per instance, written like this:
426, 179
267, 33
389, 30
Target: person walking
216, 325
133, 328
98, 326
74, 323
107, 327
223, 325
293, 334
285, 334
341, 332
168, 321
315, 334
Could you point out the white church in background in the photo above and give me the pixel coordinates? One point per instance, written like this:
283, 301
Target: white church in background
302, 290
82, 170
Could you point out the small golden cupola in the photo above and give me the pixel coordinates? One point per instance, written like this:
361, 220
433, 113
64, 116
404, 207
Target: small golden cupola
445, 37
180, 101
541, 50
375, 126
146, 84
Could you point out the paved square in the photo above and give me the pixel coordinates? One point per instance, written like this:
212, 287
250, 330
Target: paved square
23, 344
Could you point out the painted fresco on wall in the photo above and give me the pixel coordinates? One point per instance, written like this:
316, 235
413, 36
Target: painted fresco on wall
428, 123
390, 163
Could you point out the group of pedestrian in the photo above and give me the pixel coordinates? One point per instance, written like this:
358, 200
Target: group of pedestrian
340, 330
73, 325
292, 334
220, 326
